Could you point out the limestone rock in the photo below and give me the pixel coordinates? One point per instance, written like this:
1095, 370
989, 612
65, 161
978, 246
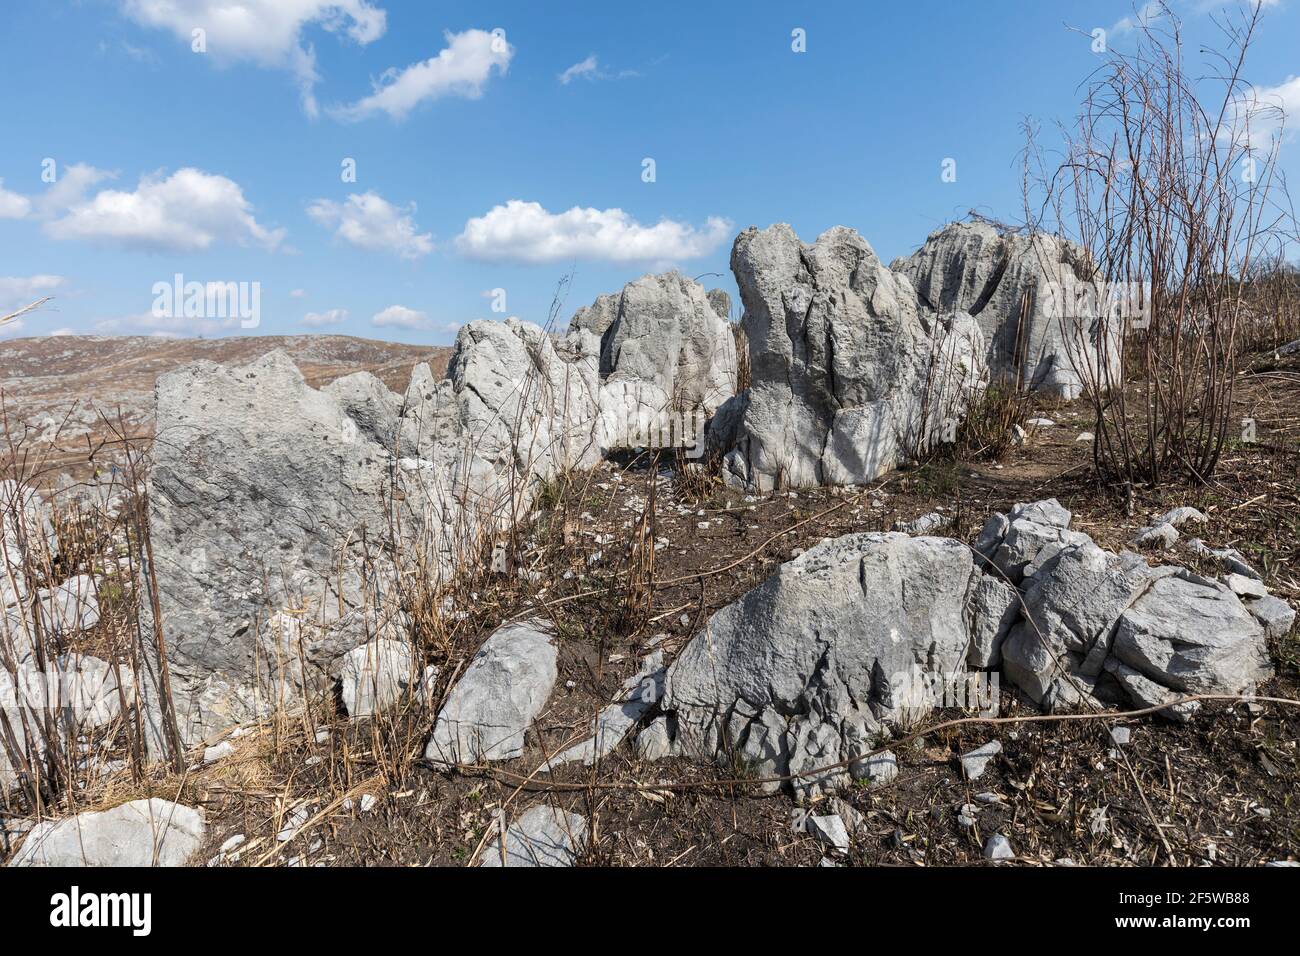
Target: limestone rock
849, 373
801, 670
375, 676
656, 741
998, 847
1071, 606
1275, 615
140, 833
490, 709
1157, 536
1051, 345
543, 836
994, 608
829, 829
1180, 516
1194, 636
664, 351
279, 512
975, 762
639, 694
878, 769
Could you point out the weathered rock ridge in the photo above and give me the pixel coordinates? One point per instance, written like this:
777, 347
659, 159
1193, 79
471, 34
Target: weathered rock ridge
1023, 292
850, 373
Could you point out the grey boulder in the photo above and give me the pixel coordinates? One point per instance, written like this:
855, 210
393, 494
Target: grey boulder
375, 676
487, 714
543, 836
802, 670
140, 833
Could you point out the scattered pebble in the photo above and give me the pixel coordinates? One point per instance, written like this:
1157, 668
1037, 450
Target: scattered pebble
217, 752
974, 763
829, 829
998, 847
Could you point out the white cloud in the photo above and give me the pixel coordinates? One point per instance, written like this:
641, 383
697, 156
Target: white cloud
400, 317
265, 32
526, 232
1142, 17
11, 330
165, 326
185, 212
369, 221
18, 291
297, 293
68, 189
588, 68
1264, 112
461, 69
12, 205
317, 320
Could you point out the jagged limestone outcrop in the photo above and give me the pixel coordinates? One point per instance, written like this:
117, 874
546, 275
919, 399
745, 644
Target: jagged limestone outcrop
850, 374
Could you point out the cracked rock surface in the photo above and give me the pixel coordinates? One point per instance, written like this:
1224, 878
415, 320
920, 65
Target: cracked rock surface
1056, 345
849, 373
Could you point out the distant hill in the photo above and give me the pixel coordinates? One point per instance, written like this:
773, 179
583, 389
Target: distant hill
55, 387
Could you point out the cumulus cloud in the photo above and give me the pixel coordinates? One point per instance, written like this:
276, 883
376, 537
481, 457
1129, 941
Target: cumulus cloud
187, 211
461, 69
297, 293
526, 232
265, 32
369, 221
399, 316
317, 320
68, 189
18, 291
12, 205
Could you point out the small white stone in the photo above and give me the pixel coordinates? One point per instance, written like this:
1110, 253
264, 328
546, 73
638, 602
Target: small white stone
217, 752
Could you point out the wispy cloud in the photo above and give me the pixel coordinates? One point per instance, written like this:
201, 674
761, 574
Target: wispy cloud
461, 69
368, 221
18, 291
590, 69
317, 320
587, 68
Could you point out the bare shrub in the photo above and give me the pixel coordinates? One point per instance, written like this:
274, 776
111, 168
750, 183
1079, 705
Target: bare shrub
1169, 192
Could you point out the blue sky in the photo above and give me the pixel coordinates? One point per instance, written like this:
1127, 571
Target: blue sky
481, 165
